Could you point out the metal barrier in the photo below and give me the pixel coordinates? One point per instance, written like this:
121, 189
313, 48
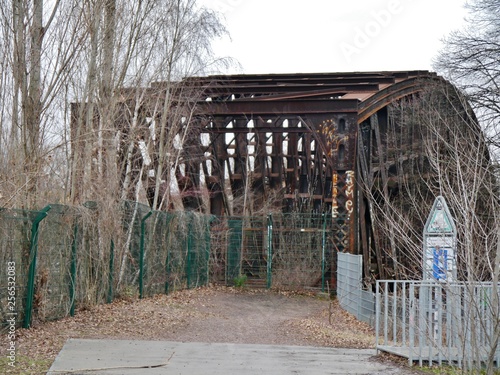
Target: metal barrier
350, 293
65, 258
18, 247
301, 250
435, 322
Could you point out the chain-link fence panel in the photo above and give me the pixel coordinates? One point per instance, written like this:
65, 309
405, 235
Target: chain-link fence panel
55, 277
246, 261
198, 250
234, 249
219, 239
156, 245
96, 238
302, 251
65, 258
188, 251
132, 243
254, 251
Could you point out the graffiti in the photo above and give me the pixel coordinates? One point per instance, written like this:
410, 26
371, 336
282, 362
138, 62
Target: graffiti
343, 208
335, 206
332, 139
349, 192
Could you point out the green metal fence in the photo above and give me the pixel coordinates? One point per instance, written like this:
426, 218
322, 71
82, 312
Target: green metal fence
302, 250
15, 245
291, 251
68, 258
54, 266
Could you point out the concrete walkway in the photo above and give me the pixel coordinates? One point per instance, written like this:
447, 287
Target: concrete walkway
80, 356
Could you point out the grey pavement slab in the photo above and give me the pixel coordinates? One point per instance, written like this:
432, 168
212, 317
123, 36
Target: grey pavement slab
85, 356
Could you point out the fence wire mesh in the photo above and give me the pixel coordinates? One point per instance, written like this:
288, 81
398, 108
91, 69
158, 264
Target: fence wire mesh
54, 280
301, 252
68, 258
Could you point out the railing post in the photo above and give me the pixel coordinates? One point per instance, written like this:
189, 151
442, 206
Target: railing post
31, 273
412, 322
72, 287
377, 314
269, 251
141, 259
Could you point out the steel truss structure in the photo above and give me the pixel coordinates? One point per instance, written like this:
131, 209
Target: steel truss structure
287, 142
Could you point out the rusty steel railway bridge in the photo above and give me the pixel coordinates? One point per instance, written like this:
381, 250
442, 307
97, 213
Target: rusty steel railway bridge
287, 142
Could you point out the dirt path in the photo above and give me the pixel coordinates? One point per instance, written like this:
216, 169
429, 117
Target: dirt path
217, 315
251, 318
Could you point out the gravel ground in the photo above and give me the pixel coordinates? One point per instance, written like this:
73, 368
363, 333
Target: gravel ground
202, 315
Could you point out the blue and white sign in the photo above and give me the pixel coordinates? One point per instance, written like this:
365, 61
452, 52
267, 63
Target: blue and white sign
439, 263
440, 238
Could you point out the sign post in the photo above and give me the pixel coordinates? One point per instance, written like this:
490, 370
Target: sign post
440, 243
439, 257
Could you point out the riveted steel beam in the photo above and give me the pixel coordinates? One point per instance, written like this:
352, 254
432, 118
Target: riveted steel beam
279, 107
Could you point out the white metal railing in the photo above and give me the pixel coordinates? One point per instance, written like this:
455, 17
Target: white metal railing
436, 322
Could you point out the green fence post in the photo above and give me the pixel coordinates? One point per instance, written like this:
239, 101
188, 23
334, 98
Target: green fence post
269, 250
233, 268
168, 219
211, 219
72, 287
30, 288
189, 254
323, 254
141, 259
109, 298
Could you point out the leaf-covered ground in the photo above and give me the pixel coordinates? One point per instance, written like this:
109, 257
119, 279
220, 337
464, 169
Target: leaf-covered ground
203, 315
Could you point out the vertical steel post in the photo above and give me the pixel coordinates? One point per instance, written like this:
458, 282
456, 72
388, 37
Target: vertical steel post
438, 330
412, 323
403, 312
141, 259
109, 298
32, 269
269, 251
386, 312
423, 295
394, 317
377, 314
72, 286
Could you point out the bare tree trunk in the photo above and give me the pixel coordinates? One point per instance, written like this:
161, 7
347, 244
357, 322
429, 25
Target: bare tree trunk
33, 106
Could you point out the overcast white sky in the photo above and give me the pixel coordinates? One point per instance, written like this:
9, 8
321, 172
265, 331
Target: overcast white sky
294, 36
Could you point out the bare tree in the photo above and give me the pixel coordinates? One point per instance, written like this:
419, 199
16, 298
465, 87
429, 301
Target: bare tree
41, 43
471, 60
435, 146
154, 42
128, 135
